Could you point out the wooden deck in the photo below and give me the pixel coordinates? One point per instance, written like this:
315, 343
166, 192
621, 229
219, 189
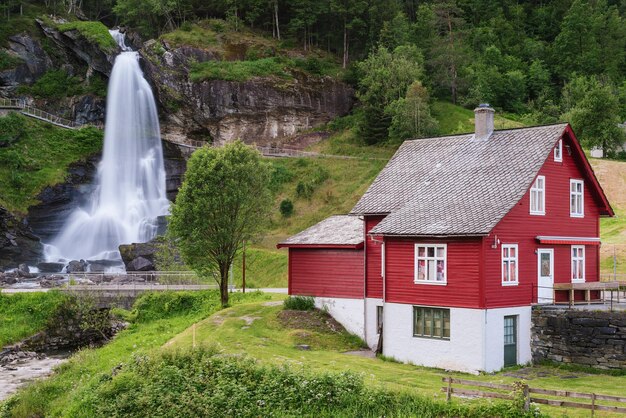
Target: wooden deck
612, 287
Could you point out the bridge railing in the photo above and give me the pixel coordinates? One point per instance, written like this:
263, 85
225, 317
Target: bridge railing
12, 103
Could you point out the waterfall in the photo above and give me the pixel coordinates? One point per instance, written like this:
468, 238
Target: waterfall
129, 192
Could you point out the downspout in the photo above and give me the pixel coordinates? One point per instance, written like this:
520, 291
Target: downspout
364, 278
482, 302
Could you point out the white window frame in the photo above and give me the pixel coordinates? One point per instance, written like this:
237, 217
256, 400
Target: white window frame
506, 261
426, 259
578, 259
558, 151
538, 192
577, 195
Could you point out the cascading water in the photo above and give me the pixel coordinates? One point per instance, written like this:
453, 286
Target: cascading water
130, 185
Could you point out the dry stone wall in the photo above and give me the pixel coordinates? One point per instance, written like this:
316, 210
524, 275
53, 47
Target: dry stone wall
590, 338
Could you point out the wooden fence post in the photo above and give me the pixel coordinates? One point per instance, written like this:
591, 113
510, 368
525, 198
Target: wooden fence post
593, 404
526, 397
449, 390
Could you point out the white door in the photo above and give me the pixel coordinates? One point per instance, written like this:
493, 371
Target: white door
545, 275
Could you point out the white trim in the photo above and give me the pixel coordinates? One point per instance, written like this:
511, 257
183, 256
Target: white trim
535, 190
426, 258
580, 195
509, 259
575, 259
550, 238
549, 299
559, 147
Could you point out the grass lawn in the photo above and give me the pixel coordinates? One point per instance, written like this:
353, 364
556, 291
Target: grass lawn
156, 319
25, 314
255, 330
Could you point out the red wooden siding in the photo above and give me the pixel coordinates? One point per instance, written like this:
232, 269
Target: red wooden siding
463, 270
373, 278
326, 272
519, 227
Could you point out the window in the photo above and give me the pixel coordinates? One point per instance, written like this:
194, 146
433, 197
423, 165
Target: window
578, 263
558, 151
576, 198
538, 196
431, 322
509, 264
379, 319
430, 263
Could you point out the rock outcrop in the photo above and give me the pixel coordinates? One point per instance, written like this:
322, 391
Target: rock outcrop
258, 110
35, 62
17, 243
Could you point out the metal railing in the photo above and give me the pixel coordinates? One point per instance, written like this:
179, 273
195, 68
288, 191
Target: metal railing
33, 112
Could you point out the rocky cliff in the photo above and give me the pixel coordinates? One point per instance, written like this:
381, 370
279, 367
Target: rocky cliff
261, 110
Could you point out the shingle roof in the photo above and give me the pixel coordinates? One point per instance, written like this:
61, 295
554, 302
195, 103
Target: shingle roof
334, 230
457, 185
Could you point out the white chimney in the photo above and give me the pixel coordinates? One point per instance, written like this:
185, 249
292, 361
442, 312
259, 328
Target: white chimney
483, 121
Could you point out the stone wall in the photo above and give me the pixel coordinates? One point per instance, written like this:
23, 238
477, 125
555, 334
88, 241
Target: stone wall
590, 338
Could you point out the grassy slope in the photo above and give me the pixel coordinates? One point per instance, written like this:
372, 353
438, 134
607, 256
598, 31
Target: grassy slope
158, 318
38, 158
269, 341
612, 177
24, 314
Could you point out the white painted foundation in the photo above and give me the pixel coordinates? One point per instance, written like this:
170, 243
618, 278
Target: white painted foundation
371, 331
476, 339
348, 312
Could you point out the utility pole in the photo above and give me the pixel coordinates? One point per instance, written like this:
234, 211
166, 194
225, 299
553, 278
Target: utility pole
243, 269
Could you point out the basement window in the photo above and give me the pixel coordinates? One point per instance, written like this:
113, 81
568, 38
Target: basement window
431, 322
538, 196
430, 263
509, 265
558, 151
576, 199
578, 263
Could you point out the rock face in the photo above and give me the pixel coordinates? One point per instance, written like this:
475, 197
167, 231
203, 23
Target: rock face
17, 243
35, 62
590, 338
257, 110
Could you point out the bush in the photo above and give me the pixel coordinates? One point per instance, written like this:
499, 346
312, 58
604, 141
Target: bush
286, 208
299, 303
304, 189
280, 175
8, 61
54, 84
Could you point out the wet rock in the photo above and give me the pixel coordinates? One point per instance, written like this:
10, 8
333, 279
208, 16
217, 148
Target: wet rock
89, 109
23, 270
96, 268
140, 264
50, 267
48, 282
76, 266
7, 279
17, 242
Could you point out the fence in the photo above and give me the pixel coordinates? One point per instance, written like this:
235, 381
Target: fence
33, 112
511, 392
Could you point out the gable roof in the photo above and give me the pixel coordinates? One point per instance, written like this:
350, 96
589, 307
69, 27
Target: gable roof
456, 185
334, 231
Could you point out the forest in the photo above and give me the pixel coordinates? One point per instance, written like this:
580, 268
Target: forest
538, 61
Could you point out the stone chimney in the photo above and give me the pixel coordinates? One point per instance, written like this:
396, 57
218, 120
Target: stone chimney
483, 121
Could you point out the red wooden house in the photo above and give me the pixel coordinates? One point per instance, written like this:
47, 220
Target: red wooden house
462, 235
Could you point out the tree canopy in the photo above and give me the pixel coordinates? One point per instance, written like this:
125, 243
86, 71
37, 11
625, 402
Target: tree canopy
224, 201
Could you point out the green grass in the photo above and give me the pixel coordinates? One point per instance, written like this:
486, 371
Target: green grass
94, 31
38, 156
269, 341
156, 319
456, 119
197, 36
25, 314
8, 61
264, 268
239, 70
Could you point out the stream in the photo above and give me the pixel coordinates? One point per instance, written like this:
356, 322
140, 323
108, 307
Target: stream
14, 376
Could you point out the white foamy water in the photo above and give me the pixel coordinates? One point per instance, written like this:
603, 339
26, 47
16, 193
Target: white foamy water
130, 184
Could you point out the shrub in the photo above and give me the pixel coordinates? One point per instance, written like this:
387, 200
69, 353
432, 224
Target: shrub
54, 84
8, 61
304, 189
280, 175
286, 208
186, 27
299, 303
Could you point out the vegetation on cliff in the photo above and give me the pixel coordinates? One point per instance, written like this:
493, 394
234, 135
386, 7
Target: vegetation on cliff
36, 154
93, 31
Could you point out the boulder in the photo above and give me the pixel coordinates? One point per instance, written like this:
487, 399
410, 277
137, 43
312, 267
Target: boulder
132, 252
96, 268
23, 270
140, 264
76, 266
7, 279
50, 267
48, 282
